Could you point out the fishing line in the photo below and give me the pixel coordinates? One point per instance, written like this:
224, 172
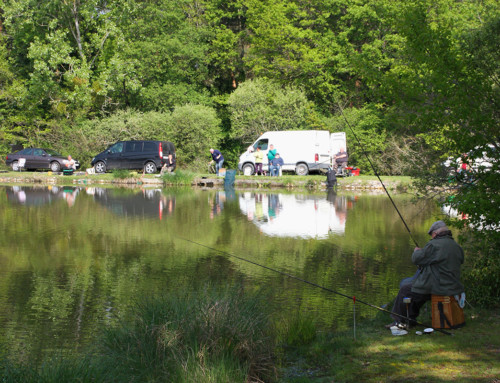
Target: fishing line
355, 299
376, 173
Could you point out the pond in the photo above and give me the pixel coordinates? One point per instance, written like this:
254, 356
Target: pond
73, 259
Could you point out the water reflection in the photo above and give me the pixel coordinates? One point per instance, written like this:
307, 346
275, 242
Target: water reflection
142, 202
66, 273
216, 203
303, 216
32, 196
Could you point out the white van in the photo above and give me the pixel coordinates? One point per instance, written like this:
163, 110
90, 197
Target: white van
303, 151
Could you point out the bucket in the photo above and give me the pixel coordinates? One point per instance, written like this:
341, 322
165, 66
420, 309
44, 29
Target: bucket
229, 178
353, 171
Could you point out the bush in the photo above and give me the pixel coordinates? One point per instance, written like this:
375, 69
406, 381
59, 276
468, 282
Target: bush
481, 274
179, 177
121, 173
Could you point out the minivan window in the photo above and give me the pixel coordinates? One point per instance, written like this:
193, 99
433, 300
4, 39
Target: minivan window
149, 147
26, 152
116, 148
133, 146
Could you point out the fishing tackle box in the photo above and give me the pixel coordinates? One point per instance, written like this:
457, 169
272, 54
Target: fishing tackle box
446, 312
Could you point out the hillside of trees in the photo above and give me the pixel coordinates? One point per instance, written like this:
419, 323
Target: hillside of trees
415, 81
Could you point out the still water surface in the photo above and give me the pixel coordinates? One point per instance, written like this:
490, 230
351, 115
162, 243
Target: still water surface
72, 260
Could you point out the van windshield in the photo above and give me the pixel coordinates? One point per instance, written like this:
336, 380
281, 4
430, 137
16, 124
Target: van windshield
262, 144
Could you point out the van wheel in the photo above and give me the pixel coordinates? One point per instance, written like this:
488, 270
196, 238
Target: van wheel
301, 170
150, 168
248, 169
100, 167
55, 166
15, 166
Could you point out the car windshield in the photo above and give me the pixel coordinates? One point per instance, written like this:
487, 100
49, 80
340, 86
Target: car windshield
51, 152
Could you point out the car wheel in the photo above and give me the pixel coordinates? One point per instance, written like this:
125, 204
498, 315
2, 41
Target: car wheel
100, 167
15, 166
301, 170
150, 168
55, 166
248, 169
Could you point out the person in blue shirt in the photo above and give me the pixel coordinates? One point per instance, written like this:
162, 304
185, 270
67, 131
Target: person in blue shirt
275, 165
218, 159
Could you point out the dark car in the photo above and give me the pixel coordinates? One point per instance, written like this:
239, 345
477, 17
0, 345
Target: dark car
38, 158
147, 155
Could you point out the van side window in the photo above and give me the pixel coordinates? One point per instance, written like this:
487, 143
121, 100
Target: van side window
262, 144
149, 147
116, 148
133, 146
26, 152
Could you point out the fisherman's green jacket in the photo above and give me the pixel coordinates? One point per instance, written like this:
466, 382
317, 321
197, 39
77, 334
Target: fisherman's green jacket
440, 262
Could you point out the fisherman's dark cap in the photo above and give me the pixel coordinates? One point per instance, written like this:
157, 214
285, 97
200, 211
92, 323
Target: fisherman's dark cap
436, 225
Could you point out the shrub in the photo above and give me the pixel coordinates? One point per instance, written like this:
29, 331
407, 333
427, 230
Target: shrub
121, 173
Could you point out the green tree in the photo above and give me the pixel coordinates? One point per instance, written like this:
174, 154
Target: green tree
260, 105
443, 82
163, 58
366, 137
12, 93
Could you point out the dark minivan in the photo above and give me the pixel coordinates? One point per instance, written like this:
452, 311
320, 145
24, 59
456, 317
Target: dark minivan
147, 155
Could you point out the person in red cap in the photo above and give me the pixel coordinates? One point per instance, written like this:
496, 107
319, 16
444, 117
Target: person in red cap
439, 263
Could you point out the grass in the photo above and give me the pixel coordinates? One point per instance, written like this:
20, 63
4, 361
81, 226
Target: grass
208, 335
226, 335
121, 173
179, 178
471, 354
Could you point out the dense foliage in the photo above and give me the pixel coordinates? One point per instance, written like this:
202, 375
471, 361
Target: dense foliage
417, 81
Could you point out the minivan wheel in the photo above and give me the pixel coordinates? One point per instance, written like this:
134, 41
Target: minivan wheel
150, 168
55, 166
248, 169
15, 166
100, 167
301, 170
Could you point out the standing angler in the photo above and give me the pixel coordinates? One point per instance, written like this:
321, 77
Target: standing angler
218, 159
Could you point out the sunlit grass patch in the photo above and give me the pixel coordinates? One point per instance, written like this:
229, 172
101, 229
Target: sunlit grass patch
121, 173
179, 177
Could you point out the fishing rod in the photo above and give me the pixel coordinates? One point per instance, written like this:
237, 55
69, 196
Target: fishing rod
312, 284
376, 173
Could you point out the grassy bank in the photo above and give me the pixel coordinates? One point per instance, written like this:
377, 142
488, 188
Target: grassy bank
186, 178
226, 335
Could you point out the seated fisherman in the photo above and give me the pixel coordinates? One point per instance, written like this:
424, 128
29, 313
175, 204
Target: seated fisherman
70, 163
439, 273
169, 165
275, 165
340, 160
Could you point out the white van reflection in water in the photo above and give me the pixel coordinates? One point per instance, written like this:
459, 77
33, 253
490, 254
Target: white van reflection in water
302, 216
